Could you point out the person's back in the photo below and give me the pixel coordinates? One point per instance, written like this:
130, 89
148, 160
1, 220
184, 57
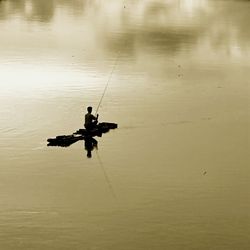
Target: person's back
90, 120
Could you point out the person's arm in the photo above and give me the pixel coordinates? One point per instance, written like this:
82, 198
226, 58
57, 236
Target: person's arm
94, 118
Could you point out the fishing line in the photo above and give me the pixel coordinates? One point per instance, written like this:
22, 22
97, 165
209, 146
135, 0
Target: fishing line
99, 159
106, 177
110, 76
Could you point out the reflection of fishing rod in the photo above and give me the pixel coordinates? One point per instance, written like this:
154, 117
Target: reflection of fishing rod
110, 76
106, 177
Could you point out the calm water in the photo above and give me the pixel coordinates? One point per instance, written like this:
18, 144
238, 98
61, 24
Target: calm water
175, 175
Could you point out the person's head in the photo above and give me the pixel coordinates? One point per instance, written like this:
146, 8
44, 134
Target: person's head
89, 109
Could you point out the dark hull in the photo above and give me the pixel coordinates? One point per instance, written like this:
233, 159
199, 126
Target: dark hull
81, 134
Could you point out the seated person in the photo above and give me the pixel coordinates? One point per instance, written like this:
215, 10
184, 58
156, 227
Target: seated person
90, 120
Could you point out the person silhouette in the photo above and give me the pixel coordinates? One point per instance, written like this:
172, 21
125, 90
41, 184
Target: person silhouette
90, 120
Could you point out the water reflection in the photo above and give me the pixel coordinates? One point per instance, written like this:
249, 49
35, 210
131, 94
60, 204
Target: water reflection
83, 134
171, 26
90, 144
67, 140
37, 10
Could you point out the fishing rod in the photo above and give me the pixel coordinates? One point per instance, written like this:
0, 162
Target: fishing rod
106, 86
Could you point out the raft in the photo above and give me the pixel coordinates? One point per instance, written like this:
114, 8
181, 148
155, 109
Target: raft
81, 134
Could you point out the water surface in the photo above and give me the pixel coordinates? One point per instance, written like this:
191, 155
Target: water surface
175, 175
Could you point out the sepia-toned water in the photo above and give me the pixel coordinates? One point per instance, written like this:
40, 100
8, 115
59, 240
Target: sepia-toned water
175, 174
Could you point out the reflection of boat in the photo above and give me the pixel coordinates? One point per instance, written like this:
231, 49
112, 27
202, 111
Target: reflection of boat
81, 134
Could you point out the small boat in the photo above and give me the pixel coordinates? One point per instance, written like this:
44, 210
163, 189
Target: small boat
81, 134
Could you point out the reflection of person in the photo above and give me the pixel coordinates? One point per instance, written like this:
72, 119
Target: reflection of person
90, 120
90, 144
